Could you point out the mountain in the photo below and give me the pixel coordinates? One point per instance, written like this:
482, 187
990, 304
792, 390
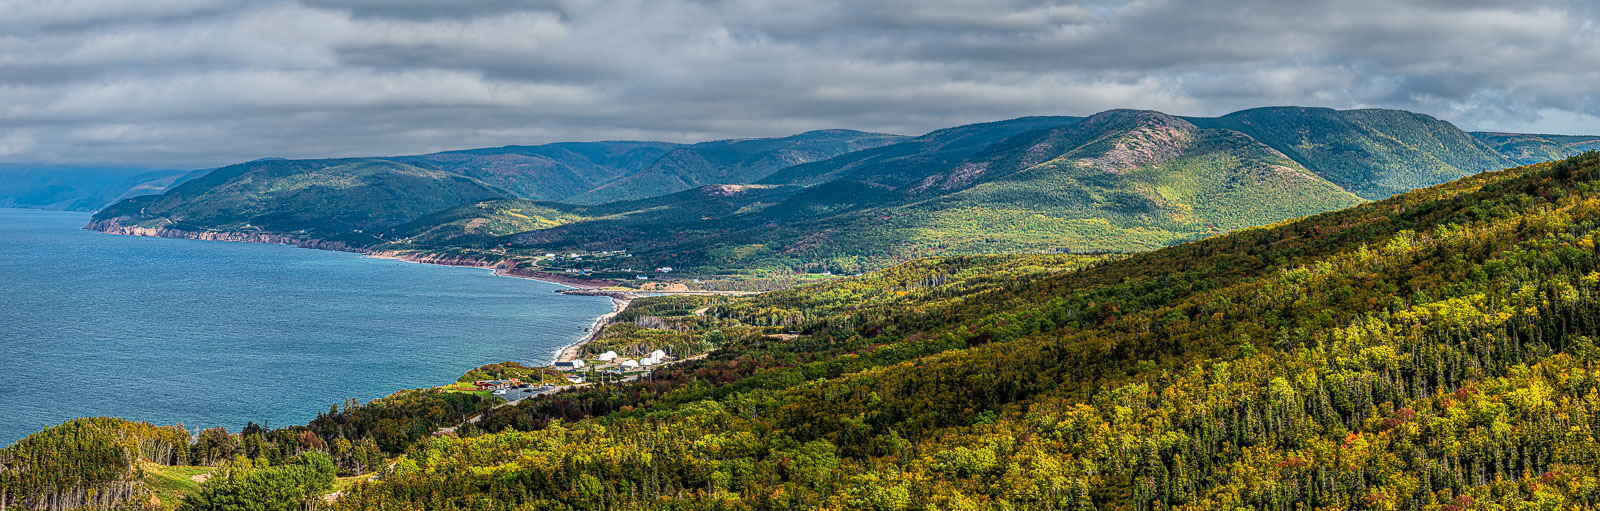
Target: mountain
1432, 350
548, 172
81, 188
1372, 153
1416, 352
322, 199
895, 164
1526, 149
740, 161
1118, 181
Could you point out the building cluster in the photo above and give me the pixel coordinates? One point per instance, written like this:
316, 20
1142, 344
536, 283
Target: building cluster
497, 384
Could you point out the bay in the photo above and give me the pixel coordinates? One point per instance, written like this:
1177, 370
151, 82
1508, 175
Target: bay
216, 334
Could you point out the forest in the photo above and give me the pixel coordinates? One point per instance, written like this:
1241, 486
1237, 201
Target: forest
1433, 351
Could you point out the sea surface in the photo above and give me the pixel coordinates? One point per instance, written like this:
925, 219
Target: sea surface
208, 333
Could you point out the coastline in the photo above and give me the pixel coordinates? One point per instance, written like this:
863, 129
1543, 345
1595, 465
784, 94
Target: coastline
575, 350
503, 267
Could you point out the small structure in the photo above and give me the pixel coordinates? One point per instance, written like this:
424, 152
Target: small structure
608, 356
497, 384
569, 365
642, 277
664, 269
658, 355
628, 364
575, 379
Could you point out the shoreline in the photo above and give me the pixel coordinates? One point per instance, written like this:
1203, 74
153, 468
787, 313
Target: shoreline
574, 351
619, 299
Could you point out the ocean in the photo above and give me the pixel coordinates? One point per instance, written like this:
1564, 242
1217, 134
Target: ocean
210, 334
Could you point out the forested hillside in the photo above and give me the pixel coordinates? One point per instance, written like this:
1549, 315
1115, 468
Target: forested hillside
1526, 149
1434, 350
329, 199
1430, 351
1372, 153
731, 162
754, 213
547, 172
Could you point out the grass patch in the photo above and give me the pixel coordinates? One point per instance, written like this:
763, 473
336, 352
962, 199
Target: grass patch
172, 483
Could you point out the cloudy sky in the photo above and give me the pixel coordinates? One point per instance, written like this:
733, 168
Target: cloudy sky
195, 83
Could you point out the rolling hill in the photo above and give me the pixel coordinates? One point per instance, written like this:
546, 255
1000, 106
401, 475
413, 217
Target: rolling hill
547, 172
1432, 350
1525, 149
1372, 153
1118, 181
731, 162
316, 199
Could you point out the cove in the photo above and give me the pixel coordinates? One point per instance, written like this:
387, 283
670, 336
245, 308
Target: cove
216, 334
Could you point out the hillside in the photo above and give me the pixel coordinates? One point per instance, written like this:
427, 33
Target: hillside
895, 164
548, 172
1433, 350
1525, 149
326, 199
1371, 153
1421, 352
1117, 181
739, 161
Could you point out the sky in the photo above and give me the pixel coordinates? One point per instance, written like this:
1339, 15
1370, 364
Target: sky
202, 83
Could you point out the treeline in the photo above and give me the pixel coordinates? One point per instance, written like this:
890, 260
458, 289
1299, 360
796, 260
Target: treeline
86, 463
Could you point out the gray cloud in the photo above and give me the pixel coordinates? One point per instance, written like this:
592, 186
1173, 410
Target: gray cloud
194, 83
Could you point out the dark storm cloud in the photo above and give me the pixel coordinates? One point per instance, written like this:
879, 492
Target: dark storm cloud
207, 82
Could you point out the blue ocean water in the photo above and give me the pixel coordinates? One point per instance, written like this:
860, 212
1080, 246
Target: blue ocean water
217, 334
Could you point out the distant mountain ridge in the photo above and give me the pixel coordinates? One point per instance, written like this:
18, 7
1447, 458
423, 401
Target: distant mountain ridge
1528, 149
732, 162
1120, 180
81, 187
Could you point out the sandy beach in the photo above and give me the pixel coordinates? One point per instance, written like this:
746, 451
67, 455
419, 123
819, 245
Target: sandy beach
572, 352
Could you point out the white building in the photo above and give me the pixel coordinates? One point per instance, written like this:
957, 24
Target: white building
628, 364
570, 365
608, 356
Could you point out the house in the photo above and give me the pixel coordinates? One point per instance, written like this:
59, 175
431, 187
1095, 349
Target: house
575, 379
664, 269
497, 384
642, 277
569, 365
608, 356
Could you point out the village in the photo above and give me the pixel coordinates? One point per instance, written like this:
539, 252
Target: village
607, 367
